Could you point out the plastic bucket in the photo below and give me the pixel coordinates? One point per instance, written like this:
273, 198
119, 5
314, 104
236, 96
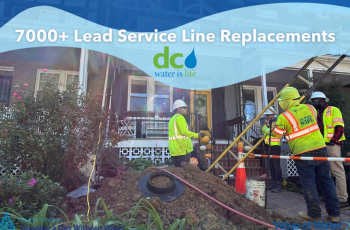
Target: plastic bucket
255, 191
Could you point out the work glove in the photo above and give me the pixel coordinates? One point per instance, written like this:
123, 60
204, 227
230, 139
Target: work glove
332, 143
201, 135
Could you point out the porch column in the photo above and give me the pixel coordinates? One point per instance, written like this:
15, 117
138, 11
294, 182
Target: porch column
83, 70
106, 81
264, 90
310, 76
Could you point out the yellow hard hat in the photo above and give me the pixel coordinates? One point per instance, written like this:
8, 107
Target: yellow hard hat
289, 93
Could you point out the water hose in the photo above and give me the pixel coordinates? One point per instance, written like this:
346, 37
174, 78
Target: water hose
93, 167
218, 202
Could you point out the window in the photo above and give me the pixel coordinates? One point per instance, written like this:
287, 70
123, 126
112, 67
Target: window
60, 78
6, 74
147, 94
253, 100
5, 90
249, 101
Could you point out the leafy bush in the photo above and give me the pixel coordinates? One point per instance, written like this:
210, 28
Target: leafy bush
26, 193
140, 164
55, 133
104, 218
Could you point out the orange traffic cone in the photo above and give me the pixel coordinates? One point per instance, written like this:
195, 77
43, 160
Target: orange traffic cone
241, 176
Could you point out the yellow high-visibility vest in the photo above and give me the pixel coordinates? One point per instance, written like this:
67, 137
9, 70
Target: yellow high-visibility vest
274, 139
331, 118
299, 126
179, 136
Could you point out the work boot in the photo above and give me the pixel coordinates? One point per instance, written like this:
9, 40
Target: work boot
305, 216
278, 187
343, 205
271, 185
333, 219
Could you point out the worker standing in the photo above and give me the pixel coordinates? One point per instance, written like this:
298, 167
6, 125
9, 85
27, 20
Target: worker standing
275, 149
298, 124
180, 144
331, 125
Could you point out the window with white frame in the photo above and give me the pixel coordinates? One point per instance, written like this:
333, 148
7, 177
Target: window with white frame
253, 100
147, 94
60, 78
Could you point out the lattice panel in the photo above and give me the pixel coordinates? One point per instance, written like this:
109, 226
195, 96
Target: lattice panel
157, 154
127, 128
3, 171
291, 168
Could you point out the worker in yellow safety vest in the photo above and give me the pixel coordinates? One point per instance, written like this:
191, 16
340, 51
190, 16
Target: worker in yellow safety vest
180, 144
274, 164
331, 124
299, 126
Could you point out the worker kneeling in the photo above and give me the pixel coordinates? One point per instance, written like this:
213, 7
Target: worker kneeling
180, 145
299, 125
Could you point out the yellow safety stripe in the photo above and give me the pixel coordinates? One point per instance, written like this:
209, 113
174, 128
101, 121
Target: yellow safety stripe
329, 126
279, 131
330, 135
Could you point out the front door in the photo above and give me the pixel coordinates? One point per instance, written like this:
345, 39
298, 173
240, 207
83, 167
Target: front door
201, 101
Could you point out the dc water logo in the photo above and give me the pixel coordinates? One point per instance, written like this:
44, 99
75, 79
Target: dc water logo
347, 227
175, 61
6, 223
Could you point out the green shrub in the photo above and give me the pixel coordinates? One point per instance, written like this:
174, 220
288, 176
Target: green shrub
26, 193
55, 134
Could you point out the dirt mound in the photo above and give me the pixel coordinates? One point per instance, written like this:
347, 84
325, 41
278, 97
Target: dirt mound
121, 194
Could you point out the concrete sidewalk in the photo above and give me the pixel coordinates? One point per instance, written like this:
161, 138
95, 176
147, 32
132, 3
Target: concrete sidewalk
289, 204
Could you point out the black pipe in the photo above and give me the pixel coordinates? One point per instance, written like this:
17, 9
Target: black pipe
268, 162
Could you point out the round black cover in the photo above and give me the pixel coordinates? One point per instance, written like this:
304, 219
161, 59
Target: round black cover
166, 197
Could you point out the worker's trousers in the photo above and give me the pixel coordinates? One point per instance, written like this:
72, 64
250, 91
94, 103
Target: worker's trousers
177, 160
308, 172
274, 163
337, 169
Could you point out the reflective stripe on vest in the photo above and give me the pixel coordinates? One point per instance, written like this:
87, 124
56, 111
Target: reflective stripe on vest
296, 129
337, 119
292, 120
175, 131
302, 132
273, 140
313, 111
279, 131
329, 111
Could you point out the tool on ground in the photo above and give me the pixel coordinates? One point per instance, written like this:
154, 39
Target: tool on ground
253, 122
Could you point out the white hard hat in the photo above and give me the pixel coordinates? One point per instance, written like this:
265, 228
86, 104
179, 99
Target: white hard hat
268, 112
178, 104
318, 94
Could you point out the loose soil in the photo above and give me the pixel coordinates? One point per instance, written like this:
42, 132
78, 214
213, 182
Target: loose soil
161, 181
121, 194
